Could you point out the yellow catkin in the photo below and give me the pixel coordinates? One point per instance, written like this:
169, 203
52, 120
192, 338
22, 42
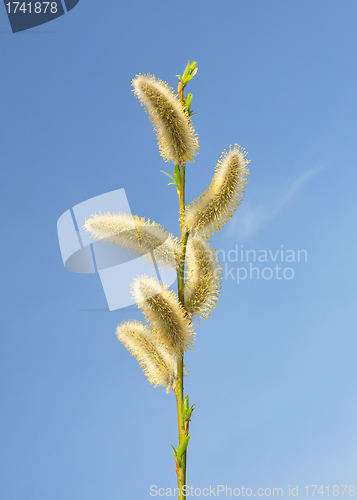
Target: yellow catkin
204, 276
135, 234
170, 326
175, 133
158, 365
210, 212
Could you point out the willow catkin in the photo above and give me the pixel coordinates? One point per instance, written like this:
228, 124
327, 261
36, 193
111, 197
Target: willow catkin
135, 234
167, 318
210, 212
158, 365
175, 133
204, 276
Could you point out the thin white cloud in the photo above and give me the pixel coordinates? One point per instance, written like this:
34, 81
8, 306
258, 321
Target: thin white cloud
322, 154
252, 219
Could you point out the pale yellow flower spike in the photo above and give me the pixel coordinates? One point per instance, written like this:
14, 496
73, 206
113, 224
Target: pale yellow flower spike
158, 365
210, 212
170, 326
204, 275
175, 133
135, 234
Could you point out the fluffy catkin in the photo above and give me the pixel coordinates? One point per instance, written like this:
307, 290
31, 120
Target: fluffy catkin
175, 133
167, 318
204, 274
158, 365
135, 234
210, 212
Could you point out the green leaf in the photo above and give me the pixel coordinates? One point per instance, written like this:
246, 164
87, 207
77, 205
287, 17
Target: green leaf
187, 414
175, 453
177, 176
187, 411
187, 100
182, 446
189, 73
169, 175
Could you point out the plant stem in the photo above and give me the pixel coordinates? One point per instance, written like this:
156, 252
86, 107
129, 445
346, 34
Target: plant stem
180, 470
181, 467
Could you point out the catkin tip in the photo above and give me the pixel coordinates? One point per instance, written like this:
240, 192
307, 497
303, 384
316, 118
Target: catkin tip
213, 209
175, 133
204, 278
158, 365
140, 236
169, 322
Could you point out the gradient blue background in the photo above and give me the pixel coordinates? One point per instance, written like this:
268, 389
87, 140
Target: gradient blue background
273, 374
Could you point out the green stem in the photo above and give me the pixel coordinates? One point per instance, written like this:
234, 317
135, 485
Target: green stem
180, 470
181, 467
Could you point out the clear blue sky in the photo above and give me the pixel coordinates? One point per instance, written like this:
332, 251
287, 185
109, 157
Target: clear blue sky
273, 374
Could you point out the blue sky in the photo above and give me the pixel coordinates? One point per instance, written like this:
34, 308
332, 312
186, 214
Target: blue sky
273, 373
